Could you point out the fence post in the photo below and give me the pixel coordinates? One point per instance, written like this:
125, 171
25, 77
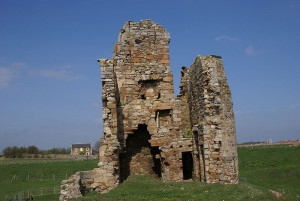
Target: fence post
13, 178
53, 176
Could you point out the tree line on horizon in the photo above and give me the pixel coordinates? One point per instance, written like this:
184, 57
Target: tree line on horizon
34, 152
31, 151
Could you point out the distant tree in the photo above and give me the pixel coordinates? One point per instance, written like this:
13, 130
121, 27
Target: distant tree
52, 151
16, 152
58, 151
33, 150
7, 152
13, 152
65, 151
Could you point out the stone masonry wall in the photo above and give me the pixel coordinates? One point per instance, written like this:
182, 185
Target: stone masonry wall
109, 145
146, 97
184, 104
146, 130
212, 114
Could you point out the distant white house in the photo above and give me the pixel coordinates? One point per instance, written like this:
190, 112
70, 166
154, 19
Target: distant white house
81, 149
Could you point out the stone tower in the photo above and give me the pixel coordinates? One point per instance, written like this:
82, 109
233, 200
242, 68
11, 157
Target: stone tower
149, 131
212, 117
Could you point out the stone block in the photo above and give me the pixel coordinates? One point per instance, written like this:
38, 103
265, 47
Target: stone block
155, 142
111, 105
168, 78
214, 155
164, 106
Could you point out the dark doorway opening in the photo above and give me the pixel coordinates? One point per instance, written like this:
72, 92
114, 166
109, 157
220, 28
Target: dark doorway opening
187, 165
136, 158
124, 166
155, 152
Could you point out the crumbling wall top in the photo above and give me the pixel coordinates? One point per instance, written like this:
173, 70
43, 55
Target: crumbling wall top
146, 29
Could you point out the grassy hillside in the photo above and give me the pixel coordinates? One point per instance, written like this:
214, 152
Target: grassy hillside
150, 189
274, 167
24, 175
261, 168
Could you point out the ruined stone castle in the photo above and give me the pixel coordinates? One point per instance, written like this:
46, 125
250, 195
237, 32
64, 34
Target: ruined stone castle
149, 131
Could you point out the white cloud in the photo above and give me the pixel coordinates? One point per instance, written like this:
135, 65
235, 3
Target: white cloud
19, 65
224, 39
9, 74
251, 51
6, 76
62, 74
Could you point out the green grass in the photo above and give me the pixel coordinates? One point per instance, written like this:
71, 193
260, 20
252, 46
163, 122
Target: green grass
25, 175
274, 167
263, 167
148, 188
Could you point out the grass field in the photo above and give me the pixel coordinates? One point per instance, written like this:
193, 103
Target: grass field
150, 189
261, 168
24, 175
274, 167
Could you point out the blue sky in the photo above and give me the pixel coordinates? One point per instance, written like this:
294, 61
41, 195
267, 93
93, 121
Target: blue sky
50, 80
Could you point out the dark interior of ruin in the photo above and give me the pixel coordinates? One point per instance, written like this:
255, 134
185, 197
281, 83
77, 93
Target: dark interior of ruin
187, 165
138, 156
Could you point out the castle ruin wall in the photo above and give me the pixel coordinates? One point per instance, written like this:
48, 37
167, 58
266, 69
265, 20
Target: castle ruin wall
213, 119
149, 131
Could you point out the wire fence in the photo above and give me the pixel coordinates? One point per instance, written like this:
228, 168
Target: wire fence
16, 178
44, 161
54, 177
42, 174
6, 163
31, 194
